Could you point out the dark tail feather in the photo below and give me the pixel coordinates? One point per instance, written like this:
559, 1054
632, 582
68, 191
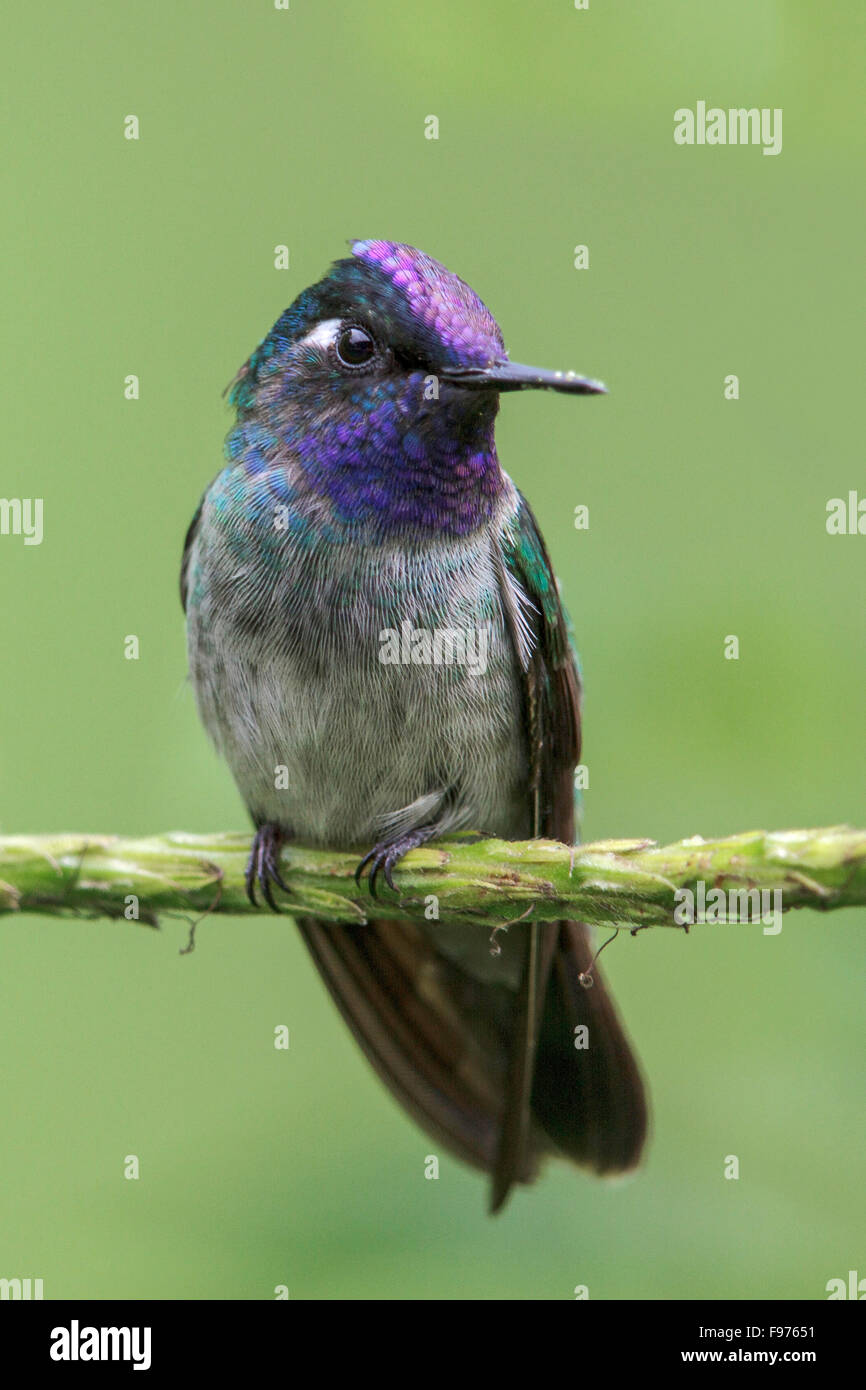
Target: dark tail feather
514, 1135
436, 1037
590, 1101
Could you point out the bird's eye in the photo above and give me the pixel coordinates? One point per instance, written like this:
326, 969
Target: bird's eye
354, 346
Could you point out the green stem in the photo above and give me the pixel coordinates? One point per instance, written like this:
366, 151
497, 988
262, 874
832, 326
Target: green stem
630, 883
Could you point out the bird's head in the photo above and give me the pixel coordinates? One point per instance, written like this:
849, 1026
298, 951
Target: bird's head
381, 383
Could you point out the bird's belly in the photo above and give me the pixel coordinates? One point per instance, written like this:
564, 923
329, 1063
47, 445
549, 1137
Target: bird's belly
346, 760
345, 727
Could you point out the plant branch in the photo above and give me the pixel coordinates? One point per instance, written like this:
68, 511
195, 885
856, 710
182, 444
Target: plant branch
629, 883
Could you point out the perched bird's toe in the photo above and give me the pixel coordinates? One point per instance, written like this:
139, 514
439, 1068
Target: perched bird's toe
263, 865
384, 857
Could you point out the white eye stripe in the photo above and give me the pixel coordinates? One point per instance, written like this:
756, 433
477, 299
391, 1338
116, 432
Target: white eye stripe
324, 335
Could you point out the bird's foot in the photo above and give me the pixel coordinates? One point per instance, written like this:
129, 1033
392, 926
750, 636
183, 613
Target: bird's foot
384, 856
263, 865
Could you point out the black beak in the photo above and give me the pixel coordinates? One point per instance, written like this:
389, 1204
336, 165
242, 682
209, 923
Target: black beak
513, 376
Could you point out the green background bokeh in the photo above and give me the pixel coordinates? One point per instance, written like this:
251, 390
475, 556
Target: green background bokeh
707, 517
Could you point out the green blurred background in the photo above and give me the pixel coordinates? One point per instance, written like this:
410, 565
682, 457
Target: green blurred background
707, 517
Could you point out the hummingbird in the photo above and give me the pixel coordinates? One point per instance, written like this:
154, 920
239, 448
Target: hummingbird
379, 650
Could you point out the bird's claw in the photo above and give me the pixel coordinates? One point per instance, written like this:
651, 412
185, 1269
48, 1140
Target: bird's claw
263, 865
384, 857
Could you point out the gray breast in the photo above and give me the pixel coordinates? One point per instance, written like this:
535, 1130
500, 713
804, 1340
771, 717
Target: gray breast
358, 691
